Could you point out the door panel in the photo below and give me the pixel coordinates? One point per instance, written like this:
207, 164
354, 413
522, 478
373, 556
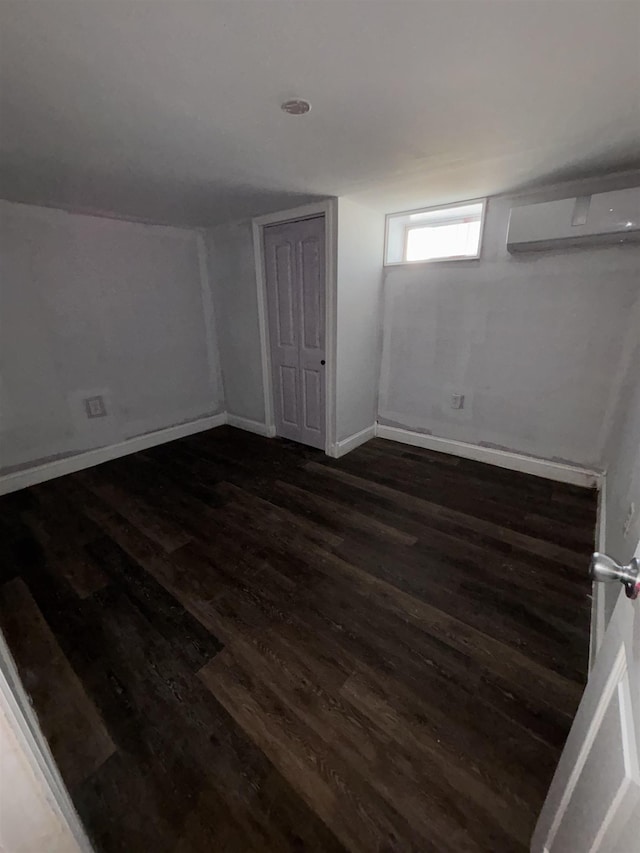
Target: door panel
284, 272
312, 412
295, 282
311, 276
289, 395
610, 756
593, 803
312, 293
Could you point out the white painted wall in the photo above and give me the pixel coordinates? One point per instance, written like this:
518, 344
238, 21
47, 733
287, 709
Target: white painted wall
622, 461
359, 315
233, 280
358, 336
534, 342
97, 306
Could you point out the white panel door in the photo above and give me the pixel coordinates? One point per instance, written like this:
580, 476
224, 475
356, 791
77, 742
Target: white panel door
593, 804
295, 282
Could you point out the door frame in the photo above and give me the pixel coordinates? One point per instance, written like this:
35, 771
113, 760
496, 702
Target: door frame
20, 716
329, 209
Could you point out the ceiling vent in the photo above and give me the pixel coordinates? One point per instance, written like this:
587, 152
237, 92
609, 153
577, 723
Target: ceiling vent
296, 107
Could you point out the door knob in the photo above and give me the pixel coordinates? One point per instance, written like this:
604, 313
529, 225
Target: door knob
323, 361
603, 568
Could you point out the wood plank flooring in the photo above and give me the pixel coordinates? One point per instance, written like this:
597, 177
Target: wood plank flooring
238, 644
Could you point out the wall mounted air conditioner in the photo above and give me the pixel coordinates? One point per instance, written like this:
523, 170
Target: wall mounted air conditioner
589, 220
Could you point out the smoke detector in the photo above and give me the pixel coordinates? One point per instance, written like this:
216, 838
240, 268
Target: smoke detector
296, 107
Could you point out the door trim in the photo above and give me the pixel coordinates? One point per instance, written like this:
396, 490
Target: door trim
329, 209
20, 717
598, 621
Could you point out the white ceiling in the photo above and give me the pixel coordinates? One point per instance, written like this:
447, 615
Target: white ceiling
169, 111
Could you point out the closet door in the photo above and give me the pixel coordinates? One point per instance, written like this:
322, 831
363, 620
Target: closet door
295, 282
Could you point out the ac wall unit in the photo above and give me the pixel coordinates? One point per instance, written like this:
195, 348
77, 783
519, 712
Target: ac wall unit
589, 220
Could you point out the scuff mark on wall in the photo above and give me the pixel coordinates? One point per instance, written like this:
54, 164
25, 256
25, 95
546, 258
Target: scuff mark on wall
391, 423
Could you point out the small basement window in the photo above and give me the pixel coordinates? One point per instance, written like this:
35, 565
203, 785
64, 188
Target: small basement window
449, 233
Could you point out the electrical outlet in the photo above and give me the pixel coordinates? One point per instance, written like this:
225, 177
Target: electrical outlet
457, 401
95, 407
626, 527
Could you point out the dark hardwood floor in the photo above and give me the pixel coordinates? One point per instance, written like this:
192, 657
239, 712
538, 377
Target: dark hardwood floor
238, 644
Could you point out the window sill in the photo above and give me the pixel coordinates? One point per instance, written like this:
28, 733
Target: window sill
410, 264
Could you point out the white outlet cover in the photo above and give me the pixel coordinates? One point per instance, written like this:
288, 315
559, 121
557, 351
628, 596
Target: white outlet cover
95, 407
447, 411
96, 430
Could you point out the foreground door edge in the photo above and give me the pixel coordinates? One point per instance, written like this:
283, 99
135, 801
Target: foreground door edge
593, 804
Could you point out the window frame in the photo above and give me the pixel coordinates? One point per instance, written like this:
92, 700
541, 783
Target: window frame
408, 225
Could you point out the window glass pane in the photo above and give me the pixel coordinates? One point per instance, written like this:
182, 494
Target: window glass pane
456, 240
434, 233
446, 214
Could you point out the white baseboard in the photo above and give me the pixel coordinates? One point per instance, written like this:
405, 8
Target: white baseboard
340, 448
58, 467
558, 471
250, 425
